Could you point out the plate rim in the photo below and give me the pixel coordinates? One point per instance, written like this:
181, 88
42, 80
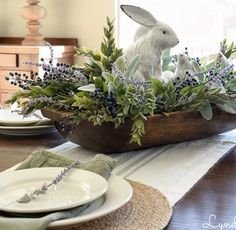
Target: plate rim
28, 127
27, 130
22, 121
91, 216
36, 173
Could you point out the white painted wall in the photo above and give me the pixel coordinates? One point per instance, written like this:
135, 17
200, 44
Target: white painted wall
199, 24
83, 19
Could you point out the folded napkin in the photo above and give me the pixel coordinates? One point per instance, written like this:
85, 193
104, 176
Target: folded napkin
100, 164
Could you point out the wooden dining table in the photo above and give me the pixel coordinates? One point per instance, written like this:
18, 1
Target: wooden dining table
211, 203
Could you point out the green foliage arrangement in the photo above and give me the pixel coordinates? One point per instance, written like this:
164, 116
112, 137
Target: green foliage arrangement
105, 90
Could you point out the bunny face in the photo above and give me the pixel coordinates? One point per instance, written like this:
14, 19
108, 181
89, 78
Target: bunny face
165, 36
184, 61
162, 33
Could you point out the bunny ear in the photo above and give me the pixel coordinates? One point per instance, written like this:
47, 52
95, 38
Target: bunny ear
139, 15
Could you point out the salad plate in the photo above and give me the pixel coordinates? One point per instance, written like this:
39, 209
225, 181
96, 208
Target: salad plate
77, 188
10, 117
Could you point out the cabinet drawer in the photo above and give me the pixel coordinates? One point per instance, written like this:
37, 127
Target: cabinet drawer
8, 60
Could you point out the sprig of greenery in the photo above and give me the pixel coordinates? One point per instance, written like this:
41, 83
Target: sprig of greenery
189, 98
227, 49
101, 61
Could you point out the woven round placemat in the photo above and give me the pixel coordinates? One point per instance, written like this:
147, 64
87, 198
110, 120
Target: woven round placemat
148, 209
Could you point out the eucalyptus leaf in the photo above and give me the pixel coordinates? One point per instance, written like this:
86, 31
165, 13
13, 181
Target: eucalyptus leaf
110, 79
224, 61
104, 48
157, 85
87, 88
232, 85
126, 109
166, 52
229, 106
210, 65
132, 67
48, 91
120, 63
111, 87
121, 90
218, 85
98, 82
170, 68
166, 60
206, 111
36, 90
184, 90
98, 64
201, 78
108, 76
166, 114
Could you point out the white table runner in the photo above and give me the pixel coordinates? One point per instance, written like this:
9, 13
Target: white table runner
173, 169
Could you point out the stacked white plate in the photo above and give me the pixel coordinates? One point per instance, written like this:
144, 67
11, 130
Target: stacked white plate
79, 187
11, 123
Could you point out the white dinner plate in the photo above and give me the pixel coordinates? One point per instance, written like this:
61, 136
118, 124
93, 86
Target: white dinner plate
77, 188
27, 130
118, 194
10, 118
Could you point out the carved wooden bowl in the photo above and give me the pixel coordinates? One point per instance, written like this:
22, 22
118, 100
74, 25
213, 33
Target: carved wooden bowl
159, 129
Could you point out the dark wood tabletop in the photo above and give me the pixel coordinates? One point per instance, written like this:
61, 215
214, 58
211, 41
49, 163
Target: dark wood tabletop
211, 204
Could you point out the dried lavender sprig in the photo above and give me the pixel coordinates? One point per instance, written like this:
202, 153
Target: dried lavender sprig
38, 64
221, 71
26, 198
220, 74
117, 72
51, 52
145, 84
226, 70
34, 101
30, 63
61, 72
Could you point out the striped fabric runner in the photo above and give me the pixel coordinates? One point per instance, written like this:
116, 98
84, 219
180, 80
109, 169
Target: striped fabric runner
173, 169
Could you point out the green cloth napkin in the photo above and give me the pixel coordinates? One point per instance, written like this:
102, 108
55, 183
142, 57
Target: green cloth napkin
100, 164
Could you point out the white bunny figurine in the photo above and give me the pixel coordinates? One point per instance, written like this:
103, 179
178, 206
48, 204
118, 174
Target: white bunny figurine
149, 41
185, 65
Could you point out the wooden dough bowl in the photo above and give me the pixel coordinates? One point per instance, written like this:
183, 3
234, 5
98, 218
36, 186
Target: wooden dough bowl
159, 129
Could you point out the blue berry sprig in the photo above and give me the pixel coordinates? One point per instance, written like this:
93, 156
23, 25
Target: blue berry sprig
105, 100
